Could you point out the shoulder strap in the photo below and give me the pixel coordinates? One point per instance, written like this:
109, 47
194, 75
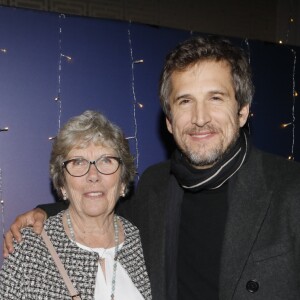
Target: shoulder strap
72, 290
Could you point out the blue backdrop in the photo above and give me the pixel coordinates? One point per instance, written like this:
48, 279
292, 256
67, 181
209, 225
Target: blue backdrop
104, 73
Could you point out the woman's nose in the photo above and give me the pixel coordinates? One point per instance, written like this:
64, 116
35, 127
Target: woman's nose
93, 174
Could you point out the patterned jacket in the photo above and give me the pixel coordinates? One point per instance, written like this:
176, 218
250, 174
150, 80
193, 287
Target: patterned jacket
30, 273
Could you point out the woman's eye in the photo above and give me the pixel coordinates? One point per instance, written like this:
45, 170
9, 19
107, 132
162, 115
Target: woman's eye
78, 162
106, 160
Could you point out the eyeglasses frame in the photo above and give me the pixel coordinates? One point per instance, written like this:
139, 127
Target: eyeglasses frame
118, 159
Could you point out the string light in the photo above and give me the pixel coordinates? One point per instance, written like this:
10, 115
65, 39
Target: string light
249, 61
291, 20
135, 103
293, 104
3, 50
290, 23
58, 98
248, 50
2, 205
61, 57
5, 129
294, 95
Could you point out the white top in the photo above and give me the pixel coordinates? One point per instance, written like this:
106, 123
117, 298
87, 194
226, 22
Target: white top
124, 287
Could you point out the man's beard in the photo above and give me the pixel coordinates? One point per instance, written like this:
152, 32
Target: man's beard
212, 156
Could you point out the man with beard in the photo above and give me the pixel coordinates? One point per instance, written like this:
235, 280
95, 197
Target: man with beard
220, 219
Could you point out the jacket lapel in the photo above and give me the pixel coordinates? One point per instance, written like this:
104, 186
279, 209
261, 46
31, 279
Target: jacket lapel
249, 201
131, 258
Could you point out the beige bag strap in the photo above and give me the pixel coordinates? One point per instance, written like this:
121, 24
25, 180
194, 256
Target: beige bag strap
72, 290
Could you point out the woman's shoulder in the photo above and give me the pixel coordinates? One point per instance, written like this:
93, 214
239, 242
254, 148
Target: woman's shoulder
129, 228
55, 229
52, 224
30, 246
54, 221
28, 234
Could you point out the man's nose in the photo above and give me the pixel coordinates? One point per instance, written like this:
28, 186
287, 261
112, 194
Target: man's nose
201, 114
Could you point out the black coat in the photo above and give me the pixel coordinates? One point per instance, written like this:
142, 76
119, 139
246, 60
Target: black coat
261, 251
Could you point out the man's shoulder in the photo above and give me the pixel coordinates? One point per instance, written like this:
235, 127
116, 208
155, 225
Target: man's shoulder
274, 161
157, 173
276, 168
154, 178
159, 167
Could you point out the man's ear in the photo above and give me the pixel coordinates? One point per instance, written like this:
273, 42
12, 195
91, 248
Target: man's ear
243, 114
169, 125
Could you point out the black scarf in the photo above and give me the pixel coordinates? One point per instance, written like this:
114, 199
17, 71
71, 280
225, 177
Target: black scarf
194, 180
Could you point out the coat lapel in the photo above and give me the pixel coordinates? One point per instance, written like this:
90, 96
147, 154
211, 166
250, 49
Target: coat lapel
173, 211
249, 201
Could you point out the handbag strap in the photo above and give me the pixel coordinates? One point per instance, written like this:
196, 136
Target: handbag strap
72, 290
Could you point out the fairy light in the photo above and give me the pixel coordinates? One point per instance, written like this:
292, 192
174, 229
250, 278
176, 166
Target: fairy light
248, 50
139, 61
251, 115
135, 102
5, 129
58, 97
69, 58
293, 104
284, 125
62, 57
2, 205
3, 50
294, 95
290, 23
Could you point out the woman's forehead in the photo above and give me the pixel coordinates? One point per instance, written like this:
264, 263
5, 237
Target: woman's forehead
100, 148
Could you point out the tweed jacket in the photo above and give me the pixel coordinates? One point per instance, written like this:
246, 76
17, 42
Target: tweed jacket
261, 252
30, 273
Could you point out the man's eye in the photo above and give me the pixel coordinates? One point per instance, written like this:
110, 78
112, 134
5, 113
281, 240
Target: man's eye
216, 98
184, 101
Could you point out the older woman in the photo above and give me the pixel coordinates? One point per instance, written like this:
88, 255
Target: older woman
90, 167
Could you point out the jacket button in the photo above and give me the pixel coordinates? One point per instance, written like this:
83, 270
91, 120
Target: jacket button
252, 286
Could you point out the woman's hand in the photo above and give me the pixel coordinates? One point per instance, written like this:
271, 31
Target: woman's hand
34, 218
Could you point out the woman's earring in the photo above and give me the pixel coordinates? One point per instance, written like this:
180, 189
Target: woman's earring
65, 196
123, 194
